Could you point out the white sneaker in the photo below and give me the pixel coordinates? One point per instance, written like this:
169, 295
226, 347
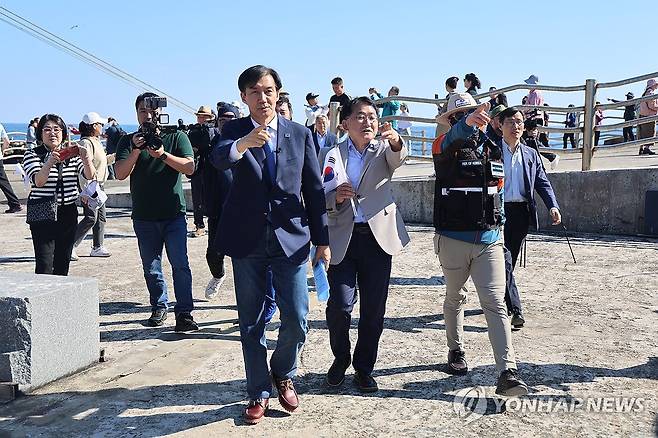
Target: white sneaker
213, 287
74, 256
99, 252
555, 162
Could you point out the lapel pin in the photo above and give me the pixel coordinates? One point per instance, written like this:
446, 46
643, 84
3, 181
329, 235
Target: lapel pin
286, 135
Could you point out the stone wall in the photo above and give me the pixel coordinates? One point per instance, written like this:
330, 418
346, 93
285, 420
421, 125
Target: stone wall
603, 201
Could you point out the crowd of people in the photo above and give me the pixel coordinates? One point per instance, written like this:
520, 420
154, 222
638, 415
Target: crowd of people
272, 189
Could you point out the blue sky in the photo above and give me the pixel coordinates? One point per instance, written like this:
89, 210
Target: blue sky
195, 50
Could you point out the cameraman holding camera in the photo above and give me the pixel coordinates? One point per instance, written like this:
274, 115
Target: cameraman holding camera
154, 157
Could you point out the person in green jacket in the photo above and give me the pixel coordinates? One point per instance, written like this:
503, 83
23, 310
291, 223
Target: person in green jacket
389, 108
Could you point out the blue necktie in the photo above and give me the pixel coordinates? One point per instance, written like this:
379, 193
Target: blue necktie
270, 163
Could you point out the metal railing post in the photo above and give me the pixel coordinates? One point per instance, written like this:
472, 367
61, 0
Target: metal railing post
588, 126
333, 117
423, 146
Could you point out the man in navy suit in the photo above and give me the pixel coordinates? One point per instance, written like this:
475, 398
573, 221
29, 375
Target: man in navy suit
322, 137
524, 174
266, 224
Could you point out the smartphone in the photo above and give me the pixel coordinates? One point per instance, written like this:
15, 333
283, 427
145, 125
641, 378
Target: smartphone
66, 153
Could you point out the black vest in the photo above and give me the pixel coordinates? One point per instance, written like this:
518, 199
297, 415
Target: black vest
466, 189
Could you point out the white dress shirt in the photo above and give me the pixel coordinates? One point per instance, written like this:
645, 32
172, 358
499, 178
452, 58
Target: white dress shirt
234, 155
354, 168
514, 183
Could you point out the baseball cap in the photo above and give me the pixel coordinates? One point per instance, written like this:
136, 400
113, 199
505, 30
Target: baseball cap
92, 117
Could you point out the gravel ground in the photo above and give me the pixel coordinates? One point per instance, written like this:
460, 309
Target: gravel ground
588, 347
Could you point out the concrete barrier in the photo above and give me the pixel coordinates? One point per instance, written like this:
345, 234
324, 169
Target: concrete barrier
597, 201
48, 327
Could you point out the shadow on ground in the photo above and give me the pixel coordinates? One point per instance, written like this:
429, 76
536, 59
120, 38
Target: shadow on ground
160, 410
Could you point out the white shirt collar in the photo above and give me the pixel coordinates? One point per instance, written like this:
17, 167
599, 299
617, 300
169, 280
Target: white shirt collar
274, 123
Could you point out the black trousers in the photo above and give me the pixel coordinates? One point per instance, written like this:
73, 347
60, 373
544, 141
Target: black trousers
572, 139
196, 184
369, 266
543, 137
628, 134
215, 259
5, 186
517, 221
53, 241
512, 297
597, 135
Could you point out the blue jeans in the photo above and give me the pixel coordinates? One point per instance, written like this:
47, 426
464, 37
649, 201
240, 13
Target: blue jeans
270, 301
172, 234
289, 280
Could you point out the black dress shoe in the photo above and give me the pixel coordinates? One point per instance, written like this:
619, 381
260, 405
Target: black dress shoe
517, 321
158, 317
14, 209
510, 384
457, 364
185, 323
365, 382
336, 373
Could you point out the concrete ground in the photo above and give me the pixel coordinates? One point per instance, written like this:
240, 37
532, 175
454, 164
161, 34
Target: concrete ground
590, 338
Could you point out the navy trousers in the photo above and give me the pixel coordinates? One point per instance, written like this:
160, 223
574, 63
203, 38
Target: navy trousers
369, 266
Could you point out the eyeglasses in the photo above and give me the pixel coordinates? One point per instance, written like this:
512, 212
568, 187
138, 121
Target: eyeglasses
362, 118
56, 129
512, 122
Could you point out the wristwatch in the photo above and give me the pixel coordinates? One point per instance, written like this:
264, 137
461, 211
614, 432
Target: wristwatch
163, 157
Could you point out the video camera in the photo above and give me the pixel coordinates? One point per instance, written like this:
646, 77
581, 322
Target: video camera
152, 131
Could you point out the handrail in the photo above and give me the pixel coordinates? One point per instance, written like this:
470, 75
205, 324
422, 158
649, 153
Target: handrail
627, 81
617, 105
585, 129
634, 122
556, 109
408, 118
487, 94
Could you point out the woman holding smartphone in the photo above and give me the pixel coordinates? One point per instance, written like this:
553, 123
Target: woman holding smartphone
53, 171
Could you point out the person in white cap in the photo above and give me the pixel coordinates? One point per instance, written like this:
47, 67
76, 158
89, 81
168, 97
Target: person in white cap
91, 128
648, 108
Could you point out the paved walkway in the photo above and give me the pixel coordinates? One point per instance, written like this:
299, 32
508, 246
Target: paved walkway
591, 335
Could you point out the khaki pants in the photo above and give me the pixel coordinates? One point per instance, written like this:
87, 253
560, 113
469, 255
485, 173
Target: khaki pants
486, 266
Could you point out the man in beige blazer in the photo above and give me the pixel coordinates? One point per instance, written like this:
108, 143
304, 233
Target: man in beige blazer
365, 231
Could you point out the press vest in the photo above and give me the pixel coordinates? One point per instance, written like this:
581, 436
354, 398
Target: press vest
466, 194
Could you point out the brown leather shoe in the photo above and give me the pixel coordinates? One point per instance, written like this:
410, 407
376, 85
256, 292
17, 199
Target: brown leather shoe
255, 411
287, 394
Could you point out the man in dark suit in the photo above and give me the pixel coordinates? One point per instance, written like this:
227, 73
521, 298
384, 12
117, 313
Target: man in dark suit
524, 174
266, 224
322, 137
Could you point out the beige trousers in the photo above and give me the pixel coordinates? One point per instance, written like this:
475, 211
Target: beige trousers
486, 266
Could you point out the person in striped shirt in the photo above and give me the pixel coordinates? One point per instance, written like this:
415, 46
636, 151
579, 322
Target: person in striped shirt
53, 240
